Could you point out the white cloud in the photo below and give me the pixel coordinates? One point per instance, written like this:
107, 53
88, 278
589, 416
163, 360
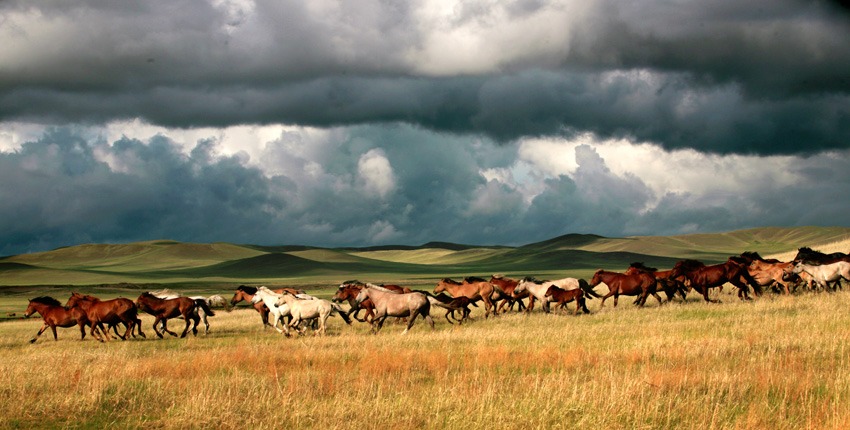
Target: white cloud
376, 173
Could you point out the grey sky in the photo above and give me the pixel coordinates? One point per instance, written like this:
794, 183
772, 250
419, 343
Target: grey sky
356, 123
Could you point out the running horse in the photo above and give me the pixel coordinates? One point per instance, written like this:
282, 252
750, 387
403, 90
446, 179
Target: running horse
110, 312
702, 277
508, 285
56, 315
163, 309
768, 273
640, 283
347, 292
473, 288
392, 304
246, 293
302, 309
562, 297
537, 290
664, 281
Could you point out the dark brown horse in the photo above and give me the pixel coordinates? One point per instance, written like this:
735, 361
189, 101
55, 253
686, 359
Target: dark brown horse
664, 281
810, 256
108, 312
163, 309
451, 305
508, 285
702, 277
639, 284
56, 315
347, 292
562, 297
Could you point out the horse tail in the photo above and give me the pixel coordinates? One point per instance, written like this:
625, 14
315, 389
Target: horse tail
201, 303
587, 289
342, 312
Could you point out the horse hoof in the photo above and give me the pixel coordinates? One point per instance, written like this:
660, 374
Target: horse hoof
32, 340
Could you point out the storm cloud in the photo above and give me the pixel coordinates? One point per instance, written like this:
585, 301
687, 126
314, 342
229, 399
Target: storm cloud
373, 185
758, 77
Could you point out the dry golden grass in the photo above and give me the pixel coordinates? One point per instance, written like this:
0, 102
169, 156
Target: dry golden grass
778, 362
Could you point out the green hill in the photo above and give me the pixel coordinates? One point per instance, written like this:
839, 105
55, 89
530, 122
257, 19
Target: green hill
577, 254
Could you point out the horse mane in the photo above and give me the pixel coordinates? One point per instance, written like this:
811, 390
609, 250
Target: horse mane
148, 294
739, 260
641, 267
46, 300
353, 281
380, 288
473, 279
451, 281
498, 276
689, 264
752, 255
246, 289
165, 292
533, 279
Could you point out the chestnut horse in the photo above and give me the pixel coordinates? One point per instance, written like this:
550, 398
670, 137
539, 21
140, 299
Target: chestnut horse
702, 277
163, 309
768, 273
663, 279
562, 297
348, 291
110, 312
56, 315
640, 284
391, 304
472, 288
508, 285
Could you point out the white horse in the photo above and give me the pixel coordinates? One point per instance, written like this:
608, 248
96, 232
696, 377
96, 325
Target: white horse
825, 273
212, 301
270, 298
304, 309
537, 289
391, 304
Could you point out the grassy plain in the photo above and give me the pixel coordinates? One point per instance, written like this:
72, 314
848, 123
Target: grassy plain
777, 362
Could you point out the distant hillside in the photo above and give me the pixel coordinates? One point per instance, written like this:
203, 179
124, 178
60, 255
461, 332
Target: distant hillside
166, 261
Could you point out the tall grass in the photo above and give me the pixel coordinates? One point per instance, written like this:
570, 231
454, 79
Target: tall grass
778, 362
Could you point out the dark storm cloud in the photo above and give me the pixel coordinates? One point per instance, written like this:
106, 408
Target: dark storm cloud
729, 77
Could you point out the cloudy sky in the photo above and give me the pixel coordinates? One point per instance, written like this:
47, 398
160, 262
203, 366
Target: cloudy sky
357, 123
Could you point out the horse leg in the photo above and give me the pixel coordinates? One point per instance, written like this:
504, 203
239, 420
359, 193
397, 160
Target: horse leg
412, 320
530, 306
189, 320
40, 331
206, 324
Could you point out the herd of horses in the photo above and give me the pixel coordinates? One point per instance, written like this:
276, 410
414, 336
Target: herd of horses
293, 309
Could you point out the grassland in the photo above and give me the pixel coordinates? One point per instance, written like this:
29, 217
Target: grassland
778, 362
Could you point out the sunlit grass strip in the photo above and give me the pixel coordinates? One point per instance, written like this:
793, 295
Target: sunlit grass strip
776, 363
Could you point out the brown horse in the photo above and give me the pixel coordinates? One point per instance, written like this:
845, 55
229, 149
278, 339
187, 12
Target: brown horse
451, 305
702, 277
640, 284
670, 285
472, 288
163, 309
56, 315
562, 297
508, 285
768, 273
348, 291
110, 312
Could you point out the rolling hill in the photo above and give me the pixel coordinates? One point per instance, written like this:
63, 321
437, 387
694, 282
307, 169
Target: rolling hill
165, 261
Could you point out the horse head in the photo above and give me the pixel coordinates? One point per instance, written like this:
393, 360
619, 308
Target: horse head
362, 295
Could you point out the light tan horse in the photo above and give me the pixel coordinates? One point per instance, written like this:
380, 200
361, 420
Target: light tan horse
472, 288
303, 309
391, 304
